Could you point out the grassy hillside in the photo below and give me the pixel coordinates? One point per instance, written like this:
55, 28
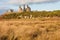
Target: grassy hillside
32, 14
38, 25
30, 29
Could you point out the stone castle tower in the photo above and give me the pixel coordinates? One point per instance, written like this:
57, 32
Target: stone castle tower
24, 9
28, 9
20, 9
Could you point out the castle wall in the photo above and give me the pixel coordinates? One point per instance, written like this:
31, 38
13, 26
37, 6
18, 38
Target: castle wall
20, 10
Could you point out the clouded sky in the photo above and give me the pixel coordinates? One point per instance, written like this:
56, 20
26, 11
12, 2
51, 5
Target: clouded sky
34, 4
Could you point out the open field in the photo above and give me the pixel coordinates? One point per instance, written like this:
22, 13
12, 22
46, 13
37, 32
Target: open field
30, 29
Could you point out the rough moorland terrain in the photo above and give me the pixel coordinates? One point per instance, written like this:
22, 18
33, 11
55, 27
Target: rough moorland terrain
30, 29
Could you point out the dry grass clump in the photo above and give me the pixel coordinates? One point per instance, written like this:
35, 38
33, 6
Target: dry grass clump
30, 29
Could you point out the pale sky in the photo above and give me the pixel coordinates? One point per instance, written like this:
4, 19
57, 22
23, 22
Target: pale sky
34, 4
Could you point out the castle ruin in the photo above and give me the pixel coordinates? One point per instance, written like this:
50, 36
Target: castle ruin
24, 9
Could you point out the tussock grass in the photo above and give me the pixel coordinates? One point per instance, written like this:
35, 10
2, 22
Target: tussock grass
30, 29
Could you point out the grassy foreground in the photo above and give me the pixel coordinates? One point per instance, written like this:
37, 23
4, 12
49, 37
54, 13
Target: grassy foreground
30, 29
